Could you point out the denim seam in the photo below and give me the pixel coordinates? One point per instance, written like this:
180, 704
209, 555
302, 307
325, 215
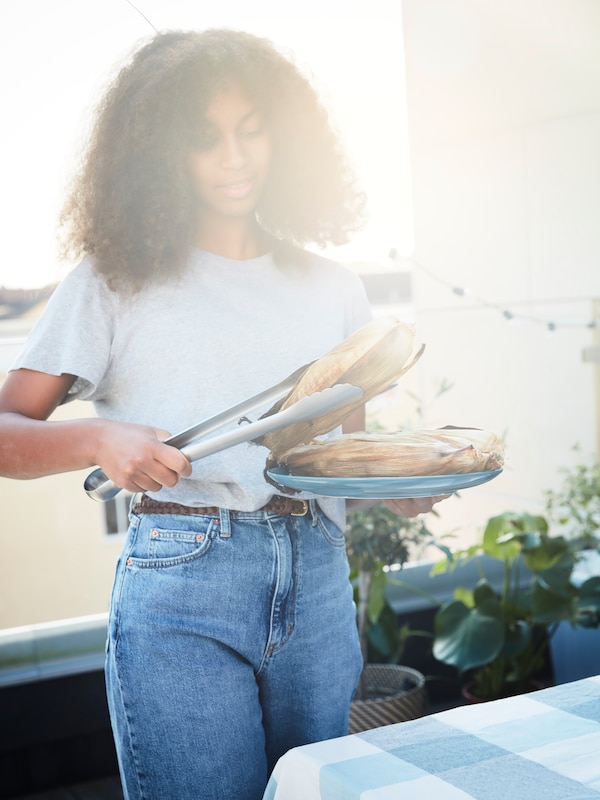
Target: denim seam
130, 738
268, 648
335, 541
119, 586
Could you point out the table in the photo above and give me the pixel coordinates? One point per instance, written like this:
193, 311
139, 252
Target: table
543, 745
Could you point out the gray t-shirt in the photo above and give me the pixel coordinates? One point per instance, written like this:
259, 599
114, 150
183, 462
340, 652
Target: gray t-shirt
181, 351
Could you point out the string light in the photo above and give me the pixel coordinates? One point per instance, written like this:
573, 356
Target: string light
508, 314
142, 15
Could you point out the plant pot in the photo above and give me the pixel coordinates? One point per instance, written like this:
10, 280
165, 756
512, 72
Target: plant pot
467, 693
394, 694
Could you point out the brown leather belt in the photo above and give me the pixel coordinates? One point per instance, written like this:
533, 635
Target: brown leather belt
283, 506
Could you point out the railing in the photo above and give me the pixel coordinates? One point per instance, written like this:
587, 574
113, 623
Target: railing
52, 649
70, 646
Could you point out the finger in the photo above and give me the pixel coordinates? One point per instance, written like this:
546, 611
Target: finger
142, 485
405, 507
161, 434
163, 475
152, 479
410, 507
175, 461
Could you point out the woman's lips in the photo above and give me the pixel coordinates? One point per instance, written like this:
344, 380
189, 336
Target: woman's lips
236, 189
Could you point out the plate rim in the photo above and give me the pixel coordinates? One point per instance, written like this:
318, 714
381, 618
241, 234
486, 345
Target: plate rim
365, 486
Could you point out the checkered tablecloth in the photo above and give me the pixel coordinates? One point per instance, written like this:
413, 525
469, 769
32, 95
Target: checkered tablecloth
540, 746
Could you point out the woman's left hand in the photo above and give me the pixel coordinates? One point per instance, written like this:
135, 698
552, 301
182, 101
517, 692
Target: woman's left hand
412, 506
404, 507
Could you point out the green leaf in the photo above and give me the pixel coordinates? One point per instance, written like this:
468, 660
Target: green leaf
376, 601
506, 535
439, 568
445, 550
533, 523
588, 603
518, 636
379, 640
589, 592
497, 528
464, 596
548, 553
485, 598
467, 638
549, 605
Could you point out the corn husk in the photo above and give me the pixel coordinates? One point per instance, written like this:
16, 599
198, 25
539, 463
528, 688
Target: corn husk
446, 451
372, 358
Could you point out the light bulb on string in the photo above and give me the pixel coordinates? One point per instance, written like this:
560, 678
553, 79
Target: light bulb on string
509, 316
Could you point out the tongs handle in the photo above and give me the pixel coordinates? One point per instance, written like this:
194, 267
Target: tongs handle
99, 487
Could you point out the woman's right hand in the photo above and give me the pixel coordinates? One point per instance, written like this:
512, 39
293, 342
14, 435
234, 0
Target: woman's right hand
135, 457
132, 456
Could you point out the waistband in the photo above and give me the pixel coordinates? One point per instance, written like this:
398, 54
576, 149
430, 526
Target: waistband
284, 506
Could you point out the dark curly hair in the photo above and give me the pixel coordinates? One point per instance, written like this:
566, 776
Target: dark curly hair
130, 204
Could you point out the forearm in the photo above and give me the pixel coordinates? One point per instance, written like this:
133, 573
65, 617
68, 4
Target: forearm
31, 448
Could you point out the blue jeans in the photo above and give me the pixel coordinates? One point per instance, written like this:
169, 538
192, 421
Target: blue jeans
231, 640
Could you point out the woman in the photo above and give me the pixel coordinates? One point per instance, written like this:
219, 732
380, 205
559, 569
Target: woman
232, 632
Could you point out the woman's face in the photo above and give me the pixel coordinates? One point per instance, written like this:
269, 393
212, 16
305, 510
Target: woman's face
231, 154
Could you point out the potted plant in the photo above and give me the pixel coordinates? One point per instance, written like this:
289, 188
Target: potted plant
376, 538
574, 510
498, 639
575, 506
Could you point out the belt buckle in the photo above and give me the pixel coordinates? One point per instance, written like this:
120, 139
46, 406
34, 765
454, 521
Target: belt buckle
304, 510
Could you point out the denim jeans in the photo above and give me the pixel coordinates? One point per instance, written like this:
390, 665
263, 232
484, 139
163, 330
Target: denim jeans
231, 640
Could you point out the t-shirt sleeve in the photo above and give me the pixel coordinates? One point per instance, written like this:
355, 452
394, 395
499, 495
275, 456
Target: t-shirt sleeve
74, 333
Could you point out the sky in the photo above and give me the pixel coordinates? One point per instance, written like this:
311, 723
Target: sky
56, 57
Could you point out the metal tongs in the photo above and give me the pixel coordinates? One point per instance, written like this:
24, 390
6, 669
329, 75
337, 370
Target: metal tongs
99, 487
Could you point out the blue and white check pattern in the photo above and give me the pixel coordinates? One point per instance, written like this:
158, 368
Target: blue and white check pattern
542, 745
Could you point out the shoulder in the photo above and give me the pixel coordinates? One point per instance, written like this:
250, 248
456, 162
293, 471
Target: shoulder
318, 261
336, 276
339, 285
320, 266
83, 275
84, 280
84, 293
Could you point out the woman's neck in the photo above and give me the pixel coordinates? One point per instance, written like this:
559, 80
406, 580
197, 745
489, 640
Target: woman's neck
232, 238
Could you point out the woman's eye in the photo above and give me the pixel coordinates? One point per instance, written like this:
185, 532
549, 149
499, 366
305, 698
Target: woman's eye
204, 140
251, 132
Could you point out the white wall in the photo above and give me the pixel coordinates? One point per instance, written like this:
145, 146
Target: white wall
504, 121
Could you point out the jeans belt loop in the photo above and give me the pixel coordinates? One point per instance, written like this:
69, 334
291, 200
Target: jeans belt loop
224, 523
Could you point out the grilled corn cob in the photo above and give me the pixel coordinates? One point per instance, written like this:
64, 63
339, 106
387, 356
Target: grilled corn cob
426, 452
372, 358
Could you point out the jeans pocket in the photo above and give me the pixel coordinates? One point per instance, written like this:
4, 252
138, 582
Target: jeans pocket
183, 539
330, 531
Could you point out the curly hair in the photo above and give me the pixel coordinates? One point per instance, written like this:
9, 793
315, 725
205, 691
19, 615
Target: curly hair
130, 204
